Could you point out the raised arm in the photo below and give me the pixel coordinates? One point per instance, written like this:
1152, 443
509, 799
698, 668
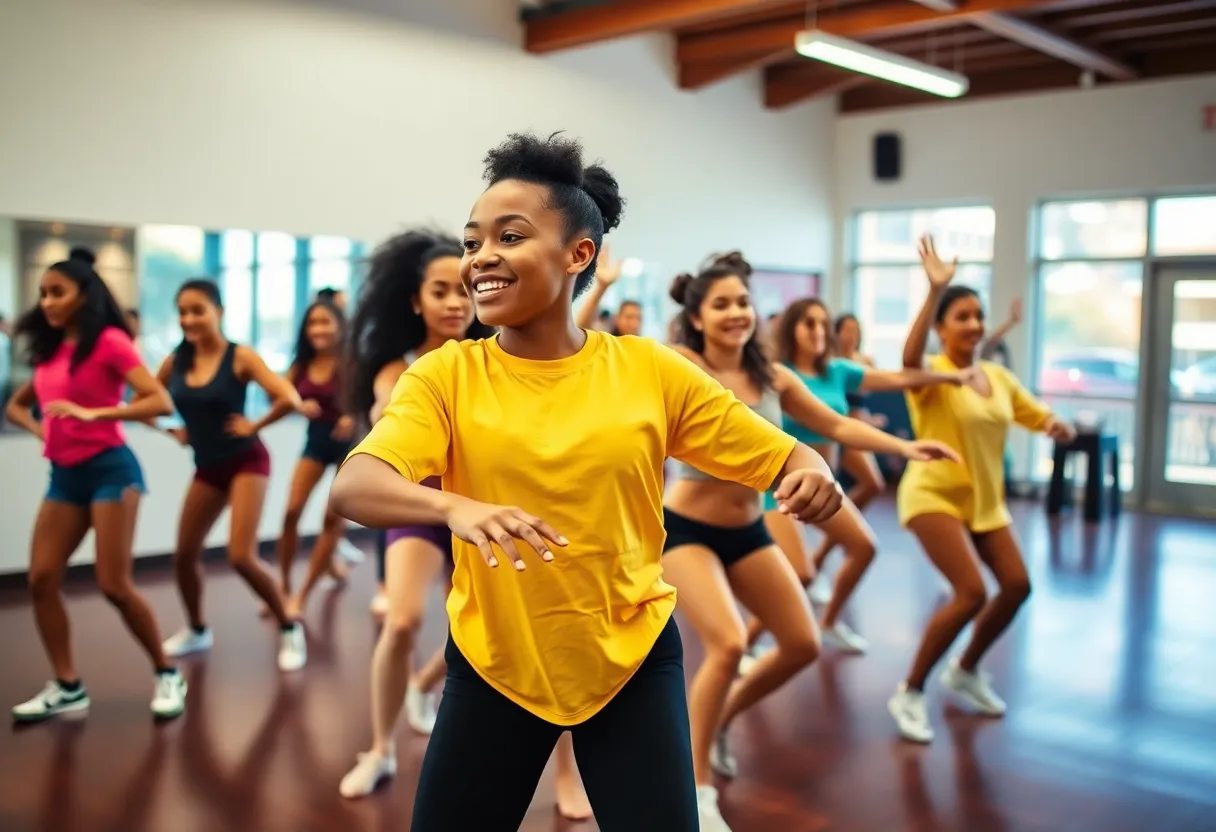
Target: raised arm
606, 273
799, 403
940, 274
19, 409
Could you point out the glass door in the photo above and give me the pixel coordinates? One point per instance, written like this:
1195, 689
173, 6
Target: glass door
1180, 471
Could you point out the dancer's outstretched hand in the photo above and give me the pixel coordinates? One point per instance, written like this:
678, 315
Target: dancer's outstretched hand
483, 524
925, 450
811, 496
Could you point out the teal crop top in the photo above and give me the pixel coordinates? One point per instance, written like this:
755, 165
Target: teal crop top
840, 379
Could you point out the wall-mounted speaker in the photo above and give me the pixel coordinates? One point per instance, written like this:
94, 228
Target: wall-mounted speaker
887, 162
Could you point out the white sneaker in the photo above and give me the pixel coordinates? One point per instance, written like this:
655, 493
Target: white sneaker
721, 759
371, 769
293, 651
708, 814
908, 708
746, 662
51, 701
169, 697
187, 641
974, 689
420, 710
820, 590
349, 552
841, 636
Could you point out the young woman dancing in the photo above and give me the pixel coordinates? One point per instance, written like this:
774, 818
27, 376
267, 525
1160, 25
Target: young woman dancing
571, 426
718, 548
804, 345
208, 376
958, 512
414, 303
315, 375
83, 357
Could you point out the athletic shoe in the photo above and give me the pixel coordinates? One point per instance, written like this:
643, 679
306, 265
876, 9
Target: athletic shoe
908, 708
51, 701
169, 697
974, 689
187, 641
368, 773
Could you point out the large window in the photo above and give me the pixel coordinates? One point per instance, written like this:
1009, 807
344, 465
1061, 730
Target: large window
888, 283
1091, 258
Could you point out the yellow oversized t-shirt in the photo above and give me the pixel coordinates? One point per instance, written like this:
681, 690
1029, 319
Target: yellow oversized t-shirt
579, 442
977, 427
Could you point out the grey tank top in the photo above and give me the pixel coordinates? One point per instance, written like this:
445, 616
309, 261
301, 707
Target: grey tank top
769, 408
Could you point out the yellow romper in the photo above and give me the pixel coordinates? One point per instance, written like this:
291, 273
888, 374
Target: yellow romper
976, 427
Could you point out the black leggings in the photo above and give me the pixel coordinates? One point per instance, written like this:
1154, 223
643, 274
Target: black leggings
381, 548
487, 754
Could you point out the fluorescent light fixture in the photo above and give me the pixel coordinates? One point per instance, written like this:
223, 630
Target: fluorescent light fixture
880, 63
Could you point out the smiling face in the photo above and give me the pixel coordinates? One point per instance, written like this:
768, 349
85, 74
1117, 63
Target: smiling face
848, 336
518, 264
726, 317
198, 316
59, 297
960, 325
323, 330
811, 334
442, 301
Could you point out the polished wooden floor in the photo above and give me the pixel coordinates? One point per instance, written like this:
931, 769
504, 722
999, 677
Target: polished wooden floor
1110, 675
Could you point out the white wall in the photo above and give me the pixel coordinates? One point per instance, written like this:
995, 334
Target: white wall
308, 117
1012, 152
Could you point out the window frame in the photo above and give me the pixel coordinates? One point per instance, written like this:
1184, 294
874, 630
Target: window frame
1150, 262
854, 262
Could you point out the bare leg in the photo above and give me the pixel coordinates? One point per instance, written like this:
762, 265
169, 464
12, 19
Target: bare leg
411, 567
304, 479
572, 802
57, 532
245, 500
704, 596
948, 545
1000, 551
201, 509
765, 583
848, 528
320, 563
114, 527
787, 534
868, 481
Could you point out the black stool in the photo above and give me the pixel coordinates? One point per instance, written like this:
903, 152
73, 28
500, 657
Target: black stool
1097, 447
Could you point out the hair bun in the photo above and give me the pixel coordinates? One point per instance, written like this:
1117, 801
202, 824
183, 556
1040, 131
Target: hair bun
733, 260
84, 255
604, 191
679, 287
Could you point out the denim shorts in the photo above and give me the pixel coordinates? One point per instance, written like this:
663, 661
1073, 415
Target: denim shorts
103, 478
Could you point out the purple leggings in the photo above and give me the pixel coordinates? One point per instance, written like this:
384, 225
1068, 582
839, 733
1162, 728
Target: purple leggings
441, 536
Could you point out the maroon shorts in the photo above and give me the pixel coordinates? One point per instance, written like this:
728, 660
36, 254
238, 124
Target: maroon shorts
253, 460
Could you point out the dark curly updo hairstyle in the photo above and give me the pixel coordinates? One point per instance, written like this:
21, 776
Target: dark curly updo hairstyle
689, 291
588, 198
97, 311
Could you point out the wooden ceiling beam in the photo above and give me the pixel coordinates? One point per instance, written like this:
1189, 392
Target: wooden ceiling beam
879, 95
887, 18
1135, 30
1041, 40
704, 73
1057, 46
606, 21
1122, 12
785, 86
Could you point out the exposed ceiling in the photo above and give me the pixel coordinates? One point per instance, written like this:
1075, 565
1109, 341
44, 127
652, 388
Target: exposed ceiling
1003, 46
